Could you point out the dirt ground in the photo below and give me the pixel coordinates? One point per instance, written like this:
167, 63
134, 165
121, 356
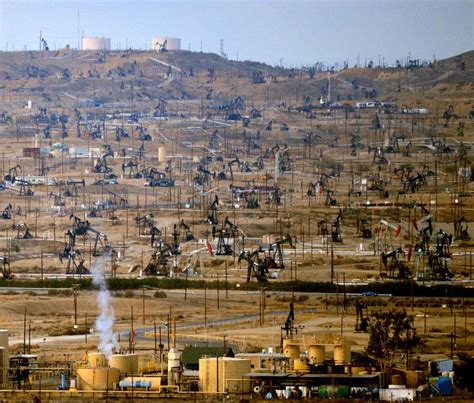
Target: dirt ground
186, 138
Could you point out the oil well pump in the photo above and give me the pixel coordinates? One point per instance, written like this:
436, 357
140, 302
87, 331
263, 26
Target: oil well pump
71, 187
22, 231
225, 237
336, 234
255, 265
394, 264
12, 173
7, 274
80, 227
158, 264
146, 226
75, 258
362, 321
461, 229
363, 228
212, 213
188, 235
7, 212
274, 259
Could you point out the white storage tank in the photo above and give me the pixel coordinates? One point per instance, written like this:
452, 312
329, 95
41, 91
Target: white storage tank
94, 43
171, 43
161, 154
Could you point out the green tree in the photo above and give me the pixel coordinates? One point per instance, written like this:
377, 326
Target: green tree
391, 331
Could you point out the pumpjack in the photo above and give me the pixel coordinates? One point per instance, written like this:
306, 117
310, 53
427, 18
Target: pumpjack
7, 274
336, 229
158, 264
188, 235
394, 265
461, 229
443, 240
22, 231
58, 199
132, 166
71, 187
79, 227
255, 265
225, 235
330, 199
323, 227
12, 173
252, 200
7, 212
212, 214
362, 322
174, 247
274, 260
73, 256
101, 165
288, 327
25, 187
363, 228
145, 224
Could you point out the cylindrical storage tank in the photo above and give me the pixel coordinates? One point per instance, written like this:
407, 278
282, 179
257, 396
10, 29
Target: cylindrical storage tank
174, 359
233, 371
3, 365
135, 361
413, 379
268, 238
396, 379
171, 43
92, 43
97, 360
292, 350
342, 354
300, 365
4, 338
161, 154
317, 354
97, 378
147, 382
122, 362
225, 370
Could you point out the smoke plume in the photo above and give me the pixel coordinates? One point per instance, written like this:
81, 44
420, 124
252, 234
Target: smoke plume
105, 321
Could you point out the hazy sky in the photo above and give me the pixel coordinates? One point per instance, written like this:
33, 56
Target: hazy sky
299, 32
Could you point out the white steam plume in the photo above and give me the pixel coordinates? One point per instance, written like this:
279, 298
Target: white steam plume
105, 321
